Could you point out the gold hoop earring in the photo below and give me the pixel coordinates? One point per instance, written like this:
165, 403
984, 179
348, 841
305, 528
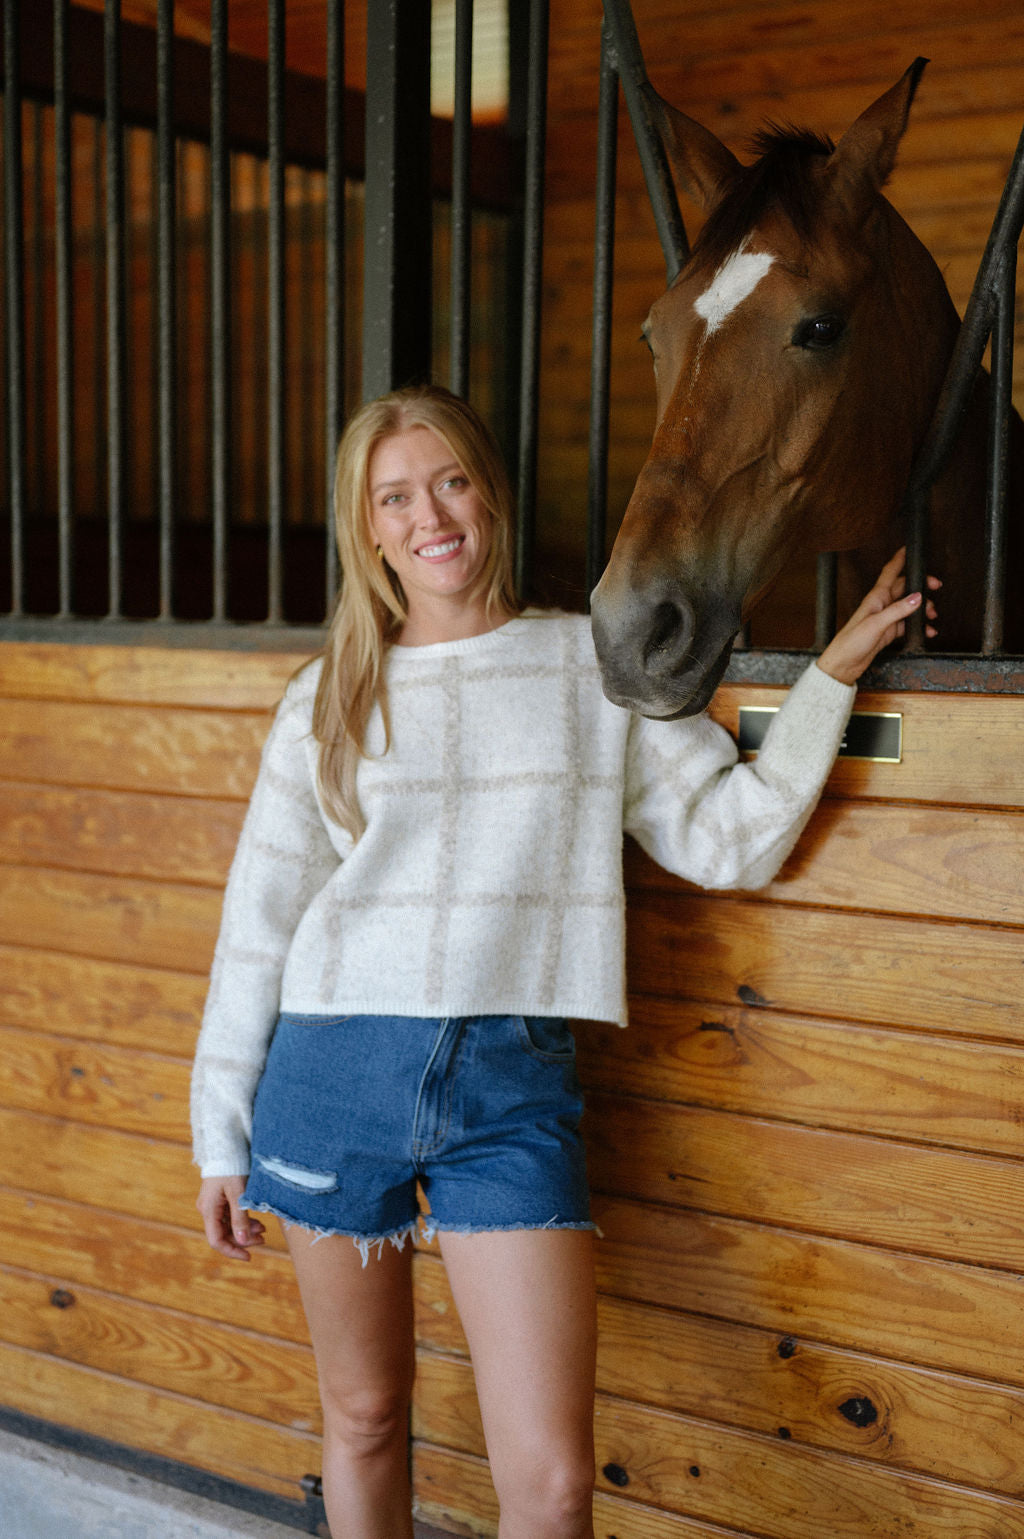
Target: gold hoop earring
380, 553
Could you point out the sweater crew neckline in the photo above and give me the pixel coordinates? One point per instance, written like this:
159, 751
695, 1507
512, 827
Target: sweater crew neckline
466, 645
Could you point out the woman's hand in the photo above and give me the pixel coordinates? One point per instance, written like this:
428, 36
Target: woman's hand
880, 618
229, 1228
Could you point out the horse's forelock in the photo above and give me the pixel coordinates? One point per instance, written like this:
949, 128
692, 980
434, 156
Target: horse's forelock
780, 180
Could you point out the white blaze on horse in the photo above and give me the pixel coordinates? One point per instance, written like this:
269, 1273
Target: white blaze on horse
798, 358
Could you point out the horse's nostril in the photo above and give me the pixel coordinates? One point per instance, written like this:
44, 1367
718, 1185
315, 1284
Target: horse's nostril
662, 646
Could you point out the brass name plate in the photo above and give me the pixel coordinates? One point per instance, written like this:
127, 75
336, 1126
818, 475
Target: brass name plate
876, 735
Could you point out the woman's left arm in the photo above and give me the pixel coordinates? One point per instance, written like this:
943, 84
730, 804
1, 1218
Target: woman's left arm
721, 823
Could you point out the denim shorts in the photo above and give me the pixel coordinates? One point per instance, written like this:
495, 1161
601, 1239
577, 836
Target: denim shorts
483, 1113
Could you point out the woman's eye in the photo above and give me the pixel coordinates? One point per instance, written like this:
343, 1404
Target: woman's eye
456, 482
819, 332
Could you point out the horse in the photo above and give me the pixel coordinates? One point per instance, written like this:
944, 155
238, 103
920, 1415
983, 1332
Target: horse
798, 357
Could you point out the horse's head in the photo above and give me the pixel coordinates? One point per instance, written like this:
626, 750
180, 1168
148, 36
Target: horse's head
797, 358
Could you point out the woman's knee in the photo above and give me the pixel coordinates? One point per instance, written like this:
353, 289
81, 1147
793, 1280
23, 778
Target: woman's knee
554, 1492
366, 1419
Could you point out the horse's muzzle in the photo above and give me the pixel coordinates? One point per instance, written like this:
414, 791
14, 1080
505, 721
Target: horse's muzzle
658, 655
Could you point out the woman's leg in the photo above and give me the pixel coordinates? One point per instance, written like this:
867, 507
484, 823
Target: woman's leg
360, 1320
527, 1303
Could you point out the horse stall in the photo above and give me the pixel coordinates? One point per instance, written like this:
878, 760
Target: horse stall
806, 1149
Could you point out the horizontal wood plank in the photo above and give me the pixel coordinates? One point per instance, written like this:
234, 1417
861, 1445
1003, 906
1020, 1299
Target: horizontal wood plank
736, 1478
114, 1087
151, 1262
949, 863
893, 971
932, 1202
958, 749
899, 1414
123, 1005
912, 1085
243, 1448
132, 747
102, 1167
454, 1490
938, 1314
173, 676
116, 919
119, 833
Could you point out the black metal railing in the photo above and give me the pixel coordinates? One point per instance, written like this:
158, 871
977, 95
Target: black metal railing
231, 297
989, 315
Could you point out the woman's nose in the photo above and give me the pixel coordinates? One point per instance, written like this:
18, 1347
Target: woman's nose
433, 513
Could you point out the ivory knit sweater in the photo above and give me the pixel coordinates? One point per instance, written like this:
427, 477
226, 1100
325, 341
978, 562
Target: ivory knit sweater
489, 878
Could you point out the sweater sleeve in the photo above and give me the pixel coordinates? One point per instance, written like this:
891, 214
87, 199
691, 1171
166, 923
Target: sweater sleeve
284, 857
717, 822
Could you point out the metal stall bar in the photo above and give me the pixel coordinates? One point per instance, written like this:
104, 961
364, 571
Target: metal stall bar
397, 286
275, 306
462, 226
998, 487
533, 255
220, 304
638, 91
65, 308
334, 278
166, 307
115, 269
991, 297
600, 357
14, 261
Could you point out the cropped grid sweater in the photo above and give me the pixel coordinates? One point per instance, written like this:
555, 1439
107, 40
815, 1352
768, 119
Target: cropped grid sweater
488, 880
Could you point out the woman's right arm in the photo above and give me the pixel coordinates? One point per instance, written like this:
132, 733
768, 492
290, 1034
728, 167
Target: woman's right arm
283, 859
228, 1227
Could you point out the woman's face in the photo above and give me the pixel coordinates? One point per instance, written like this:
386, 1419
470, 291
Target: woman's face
428, 519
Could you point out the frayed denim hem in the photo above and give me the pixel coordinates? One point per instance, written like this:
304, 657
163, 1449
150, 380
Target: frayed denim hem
364, 1243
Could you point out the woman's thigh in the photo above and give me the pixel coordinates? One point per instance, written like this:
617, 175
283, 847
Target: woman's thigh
527, 1303
360, 1318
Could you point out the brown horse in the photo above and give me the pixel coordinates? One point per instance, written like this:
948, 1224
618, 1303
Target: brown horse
798, 357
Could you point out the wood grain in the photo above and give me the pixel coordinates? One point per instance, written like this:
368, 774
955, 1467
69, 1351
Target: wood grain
737, 1478
963, 1319
893, 971
132, 747
151, 1262
78, 996
896, 1413
119, 833
147, 676
932, 1202
244, 1448
113, 1087
910, 1085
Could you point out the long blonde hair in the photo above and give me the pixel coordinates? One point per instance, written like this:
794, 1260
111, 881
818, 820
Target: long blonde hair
371, 607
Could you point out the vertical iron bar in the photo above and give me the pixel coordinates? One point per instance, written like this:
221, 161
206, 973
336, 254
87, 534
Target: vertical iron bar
96, 265
637, 88
334, 274
275, 305
65, 305
15, 283
397, 286
600, 358
825, 602
220, 304
166, 297
36, 355
533, 254
462, 224
115, 300
997, 488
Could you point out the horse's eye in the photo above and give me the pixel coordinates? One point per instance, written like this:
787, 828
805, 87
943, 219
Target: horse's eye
819, 332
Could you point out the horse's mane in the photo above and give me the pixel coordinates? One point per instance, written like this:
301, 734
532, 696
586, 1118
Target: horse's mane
779, 180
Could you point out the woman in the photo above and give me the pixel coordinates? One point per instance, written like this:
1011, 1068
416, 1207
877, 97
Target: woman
427, 884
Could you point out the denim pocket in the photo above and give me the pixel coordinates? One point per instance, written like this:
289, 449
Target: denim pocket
547, 1036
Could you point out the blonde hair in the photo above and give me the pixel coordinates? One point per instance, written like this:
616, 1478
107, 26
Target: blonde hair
371, 608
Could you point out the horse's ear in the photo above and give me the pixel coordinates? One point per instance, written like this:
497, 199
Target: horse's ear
701, 162
866, 154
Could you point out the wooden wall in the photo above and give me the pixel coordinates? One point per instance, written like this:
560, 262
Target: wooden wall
816, 64
806, 1150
